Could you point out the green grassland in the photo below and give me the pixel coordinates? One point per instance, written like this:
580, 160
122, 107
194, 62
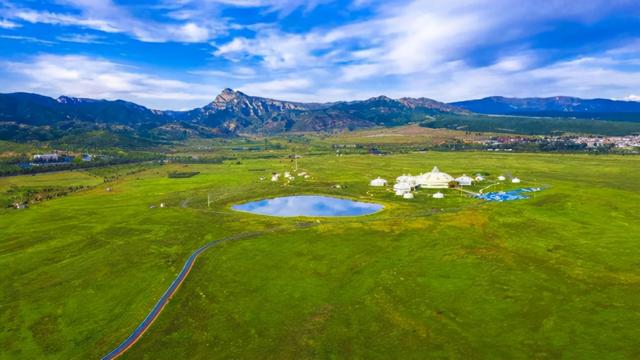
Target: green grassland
12, 188
554, 276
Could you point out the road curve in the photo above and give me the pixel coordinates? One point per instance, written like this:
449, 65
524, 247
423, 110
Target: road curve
164, 299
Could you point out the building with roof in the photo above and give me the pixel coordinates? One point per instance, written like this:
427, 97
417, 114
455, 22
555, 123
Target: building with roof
435, 179
378, 182
402, 188
46, 157
464, 180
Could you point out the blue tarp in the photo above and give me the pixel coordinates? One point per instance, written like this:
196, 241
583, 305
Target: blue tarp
501, 196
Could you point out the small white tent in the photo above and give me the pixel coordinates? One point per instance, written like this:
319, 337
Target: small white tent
407, 179
501, 178
515, 180
408, 195
479, 178
438, 195
378, 182
464, 180
402, 188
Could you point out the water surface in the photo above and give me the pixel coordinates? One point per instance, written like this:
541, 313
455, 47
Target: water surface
500, 196
309, 205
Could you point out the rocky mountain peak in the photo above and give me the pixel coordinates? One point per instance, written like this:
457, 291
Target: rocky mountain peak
381, 98
73, 100
227, 95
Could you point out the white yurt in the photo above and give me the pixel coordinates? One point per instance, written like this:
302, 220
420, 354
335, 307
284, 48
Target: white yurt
464, 180
408, 179
479, 178
378, 182
501, 178
438, 195
408, 195
515, 180
434, 179
402, 188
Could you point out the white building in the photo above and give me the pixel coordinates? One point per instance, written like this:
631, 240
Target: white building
407, 179
378, 182
275, 177
402, 188
464, 180
515, 180
434, 179
46, 157
438, 195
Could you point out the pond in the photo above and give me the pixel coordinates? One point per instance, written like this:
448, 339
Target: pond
309, 205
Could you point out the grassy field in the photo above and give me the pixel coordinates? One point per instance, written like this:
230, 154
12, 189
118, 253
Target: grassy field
555, 276
12, 186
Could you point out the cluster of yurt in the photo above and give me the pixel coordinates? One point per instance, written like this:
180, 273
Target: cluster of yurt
406, 183
288, 176
434, 179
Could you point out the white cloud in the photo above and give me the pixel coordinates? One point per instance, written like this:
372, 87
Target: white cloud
276, 50
282, 7
277, 86
239, 72
404, 48
6, 24
82, 76
108, 17
46, 17
632, 97
82, 38
30, 39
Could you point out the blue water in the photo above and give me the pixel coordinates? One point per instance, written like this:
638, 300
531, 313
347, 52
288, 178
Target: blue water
501, 196
309, 205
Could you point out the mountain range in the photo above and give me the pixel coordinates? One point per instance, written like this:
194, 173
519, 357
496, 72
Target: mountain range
26, 116
557, 106
230, 113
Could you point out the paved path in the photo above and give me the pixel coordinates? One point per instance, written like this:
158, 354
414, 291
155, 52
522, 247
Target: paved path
164, 299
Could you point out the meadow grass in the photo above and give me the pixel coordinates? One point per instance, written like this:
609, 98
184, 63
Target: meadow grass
553, 276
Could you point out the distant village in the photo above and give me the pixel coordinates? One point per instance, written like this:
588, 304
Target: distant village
629, 143
56, 158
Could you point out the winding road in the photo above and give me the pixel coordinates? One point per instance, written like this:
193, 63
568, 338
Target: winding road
164, 299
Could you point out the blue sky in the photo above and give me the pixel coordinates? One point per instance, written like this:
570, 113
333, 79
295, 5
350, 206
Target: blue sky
179, 54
